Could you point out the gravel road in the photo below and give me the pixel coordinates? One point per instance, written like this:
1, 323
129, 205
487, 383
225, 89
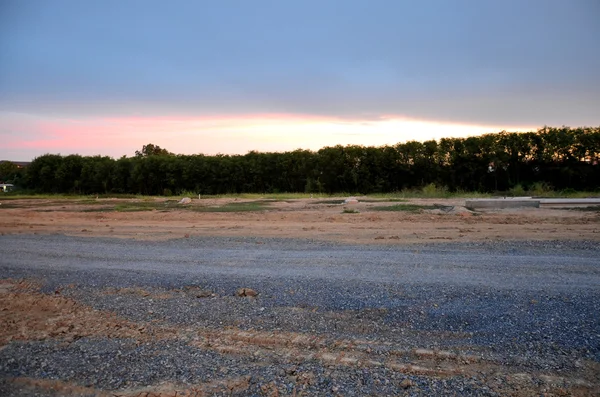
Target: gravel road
517, 318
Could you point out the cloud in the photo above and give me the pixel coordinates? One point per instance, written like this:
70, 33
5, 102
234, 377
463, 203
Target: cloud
117, 136
507, 64
434, 60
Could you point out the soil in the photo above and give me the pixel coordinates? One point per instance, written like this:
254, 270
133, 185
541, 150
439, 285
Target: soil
305, 218
27, 314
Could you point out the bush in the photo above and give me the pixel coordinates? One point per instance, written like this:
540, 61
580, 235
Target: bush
517, 190
541, 189
434, 191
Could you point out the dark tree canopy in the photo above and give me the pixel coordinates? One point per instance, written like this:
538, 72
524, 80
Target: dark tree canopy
152, 150
9, 172
563, 158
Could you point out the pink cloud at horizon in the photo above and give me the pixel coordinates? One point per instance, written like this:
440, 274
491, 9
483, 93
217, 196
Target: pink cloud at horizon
26, 136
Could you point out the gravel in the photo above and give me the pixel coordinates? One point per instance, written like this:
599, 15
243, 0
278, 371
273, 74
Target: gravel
97, 363
529, 306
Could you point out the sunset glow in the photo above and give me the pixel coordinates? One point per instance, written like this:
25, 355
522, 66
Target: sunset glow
279, 76
117, 136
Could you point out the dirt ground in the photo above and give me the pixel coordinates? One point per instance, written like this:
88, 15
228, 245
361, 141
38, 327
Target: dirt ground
27, 315
302, 218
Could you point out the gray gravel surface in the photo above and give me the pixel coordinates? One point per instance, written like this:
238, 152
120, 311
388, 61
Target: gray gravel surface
529, 306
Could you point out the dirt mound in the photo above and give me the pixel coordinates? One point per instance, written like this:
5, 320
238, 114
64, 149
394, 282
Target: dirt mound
27, 314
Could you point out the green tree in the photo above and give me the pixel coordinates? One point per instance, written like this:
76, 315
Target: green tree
9, 172
40, 175
152, 150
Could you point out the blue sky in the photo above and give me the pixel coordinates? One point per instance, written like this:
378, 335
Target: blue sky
106, 77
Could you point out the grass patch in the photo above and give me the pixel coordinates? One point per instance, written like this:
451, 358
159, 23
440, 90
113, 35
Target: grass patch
465, 194
382, 200
350, 211
147, 203
69, 197
569, 193
543, 190
413, 208
17, 196
133, 206
172, 205
328, 202
136, 207
429, 191
234, 207
52, 203
268, 196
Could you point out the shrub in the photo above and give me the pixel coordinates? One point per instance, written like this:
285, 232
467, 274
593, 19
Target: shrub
517, 190
434, 191
541, 189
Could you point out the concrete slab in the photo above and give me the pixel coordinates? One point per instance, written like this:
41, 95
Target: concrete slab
475, 204
519, 202
563, 201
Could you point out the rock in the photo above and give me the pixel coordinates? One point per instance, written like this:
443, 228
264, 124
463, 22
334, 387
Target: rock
185, 200
406, 383
444, 208
351, 200
203, 294
246, 292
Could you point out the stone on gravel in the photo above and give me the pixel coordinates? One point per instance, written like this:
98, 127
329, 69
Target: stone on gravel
185, 200
246, 292
445, 209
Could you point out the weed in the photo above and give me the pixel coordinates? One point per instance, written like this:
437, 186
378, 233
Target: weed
517, 191
189, 193
429, 191
350, 211
464, 194
541, 189
432, 190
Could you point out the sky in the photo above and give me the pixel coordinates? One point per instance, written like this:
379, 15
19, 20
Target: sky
229, 76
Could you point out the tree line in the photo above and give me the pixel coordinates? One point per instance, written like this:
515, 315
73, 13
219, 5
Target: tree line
563, 158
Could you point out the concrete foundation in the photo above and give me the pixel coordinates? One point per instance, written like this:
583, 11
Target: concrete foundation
520, 202
569, 202
475, 204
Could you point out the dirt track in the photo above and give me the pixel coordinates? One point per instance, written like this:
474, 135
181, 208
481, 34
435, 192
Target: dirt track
308, 218
363, 307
